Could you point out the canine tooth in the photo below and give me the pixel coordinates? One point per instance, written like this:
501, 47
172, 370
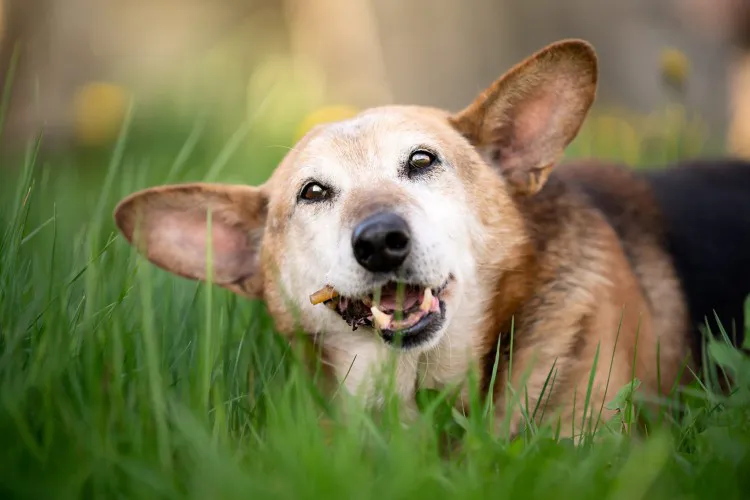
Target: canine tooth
381, 319
427, 300
435, 307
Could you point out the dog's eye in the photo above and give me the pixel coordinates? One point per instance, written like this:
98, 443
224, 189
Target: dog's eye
419, 160
314, 192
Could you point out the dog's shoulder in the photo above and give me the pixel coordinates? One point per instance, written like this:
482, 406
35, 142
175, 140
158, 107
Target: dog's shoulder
588, 219
594, 273
623, 199
685, 229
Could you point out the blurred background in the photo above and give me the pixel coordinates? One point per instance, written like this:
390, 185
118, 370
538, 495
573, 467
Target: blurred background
238, 74
118, 380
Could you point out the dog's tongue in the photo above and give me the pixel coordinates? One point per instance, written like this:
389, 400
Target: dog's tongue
390, 298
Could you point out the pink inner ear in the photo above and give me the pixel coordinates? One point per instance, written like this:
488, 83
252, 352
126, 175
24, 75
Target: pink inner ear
177, 240
535, 118
536, 128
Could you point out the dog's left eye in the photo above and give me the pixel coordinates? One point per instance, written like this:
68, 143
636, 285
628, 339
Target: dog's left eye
420, 160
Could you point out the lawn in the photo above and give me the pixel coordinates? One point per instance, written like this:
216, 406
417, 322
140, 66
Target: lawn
118, 380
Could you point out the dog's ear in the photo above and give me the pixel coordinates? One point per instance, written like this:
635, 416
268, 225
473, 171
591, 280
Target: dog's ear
169, 226
525, 120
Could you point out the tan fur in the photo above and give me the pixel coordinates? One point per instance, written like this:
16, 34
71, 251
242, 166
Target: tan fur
369, 200
518, 234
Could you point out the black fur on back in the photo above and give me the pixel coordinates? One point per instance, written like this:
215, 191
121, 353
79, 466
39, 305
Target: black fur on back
705, 206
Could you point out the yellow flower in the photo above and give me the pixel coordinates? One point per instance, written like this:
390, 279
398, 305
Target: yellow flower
326, 114
98, 112
675, 68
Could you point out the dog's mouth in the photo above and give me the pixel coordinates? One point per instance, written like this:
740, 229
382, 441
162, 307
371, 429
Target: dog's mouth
396, 308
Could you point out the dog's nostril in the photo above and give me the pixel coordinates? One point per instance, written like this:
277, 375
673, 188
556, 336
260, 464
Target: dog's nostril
363, 249
396, 241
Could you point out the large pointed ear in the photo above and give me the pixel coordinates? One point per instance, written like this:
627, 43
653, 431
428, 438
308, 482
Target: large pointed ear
169, 226
525, 120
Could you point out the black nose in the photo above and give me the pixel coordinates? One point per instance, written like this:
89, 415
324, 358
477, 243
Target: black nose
381, 242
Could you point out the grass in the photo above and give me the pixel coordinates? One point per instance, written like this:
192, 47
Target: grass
120, 381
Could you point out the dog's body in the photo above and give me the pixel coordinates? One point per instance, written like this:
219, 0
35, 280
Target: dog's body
468, 211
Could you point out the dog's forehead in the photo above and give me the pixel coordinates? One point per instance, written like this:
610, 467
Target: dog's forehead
374, 138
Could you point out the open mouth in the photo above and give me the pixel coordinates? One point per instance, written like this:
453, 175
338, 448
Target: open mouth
398, 310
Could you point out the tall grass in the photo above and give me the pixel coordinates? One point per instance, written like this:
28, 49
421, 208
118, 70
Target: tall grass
120, 381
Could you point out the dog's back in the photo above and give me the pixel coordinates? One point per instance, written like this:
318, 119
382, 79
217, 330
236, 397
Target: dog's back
698, 214
705, 207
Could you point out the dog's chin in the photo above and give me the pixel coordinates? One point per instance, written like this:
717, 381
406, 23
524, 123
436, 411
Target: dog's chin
405, 316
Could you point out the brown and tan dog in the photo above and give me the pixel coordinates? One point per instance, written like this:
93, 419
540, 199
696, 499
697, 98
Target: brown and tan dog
435, 234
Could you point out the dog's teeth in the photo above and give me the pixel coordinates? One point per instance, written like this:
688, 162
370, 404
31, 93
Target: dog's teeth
381, 319
427, 300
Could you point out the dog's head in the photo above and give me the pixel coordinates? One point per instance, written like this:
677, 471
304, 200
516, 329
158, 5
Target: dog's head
404, 212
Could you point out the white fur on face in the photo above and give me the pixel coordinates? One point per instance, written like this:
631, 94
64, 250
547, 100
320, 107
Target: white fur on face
369, 153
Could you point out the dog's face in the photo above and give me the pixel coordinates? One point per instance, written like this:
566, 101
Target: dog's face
401, 211
377, 205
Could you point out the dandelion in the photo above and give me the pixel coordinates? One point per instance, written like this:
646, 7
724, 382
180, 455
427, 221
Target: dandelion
675, 69
98, 112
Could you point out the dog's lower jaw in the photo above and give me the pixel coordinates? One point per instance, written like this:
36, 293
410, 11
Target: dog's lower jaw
365, 365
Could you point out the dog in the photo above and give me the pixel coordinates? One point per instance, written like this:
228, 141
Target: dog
444, 243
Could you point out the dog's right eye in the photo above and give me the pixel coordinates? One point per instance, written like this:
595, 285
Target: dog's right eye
314, 191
